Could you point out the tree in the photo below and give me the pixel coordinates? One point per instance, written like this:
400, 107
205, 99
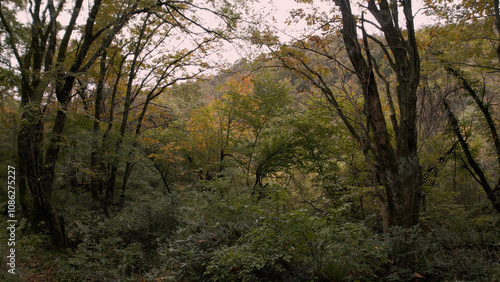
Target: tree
393, 158
472, 30
48, 64
160, 73
151, 63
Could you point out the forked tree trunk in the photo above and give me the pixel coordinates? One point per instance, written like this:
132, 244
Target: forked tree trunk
398, 168
38, 176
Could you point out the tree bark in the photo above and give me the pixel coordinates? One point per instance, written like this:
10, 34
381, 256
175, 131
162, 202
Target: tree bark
95, 162
399, 168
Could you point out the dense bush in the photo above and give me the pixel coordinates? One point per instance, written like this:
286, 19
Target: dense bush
123, 245
279, 246
351, 252
225, 234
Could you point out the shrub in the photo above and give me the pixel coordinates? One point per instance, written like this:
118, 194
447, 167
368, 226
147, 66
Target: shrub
443, 254
281, 245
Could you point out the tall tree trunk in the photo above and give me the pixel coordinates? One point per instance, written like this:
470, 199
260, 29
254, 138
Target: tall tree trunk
129, 166
131, 92
39, 176
43, 208
29, 139
95, 161
399, 169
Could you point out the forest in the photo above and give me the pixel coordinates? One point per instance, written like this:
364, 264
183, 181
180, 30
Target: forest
362, 147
